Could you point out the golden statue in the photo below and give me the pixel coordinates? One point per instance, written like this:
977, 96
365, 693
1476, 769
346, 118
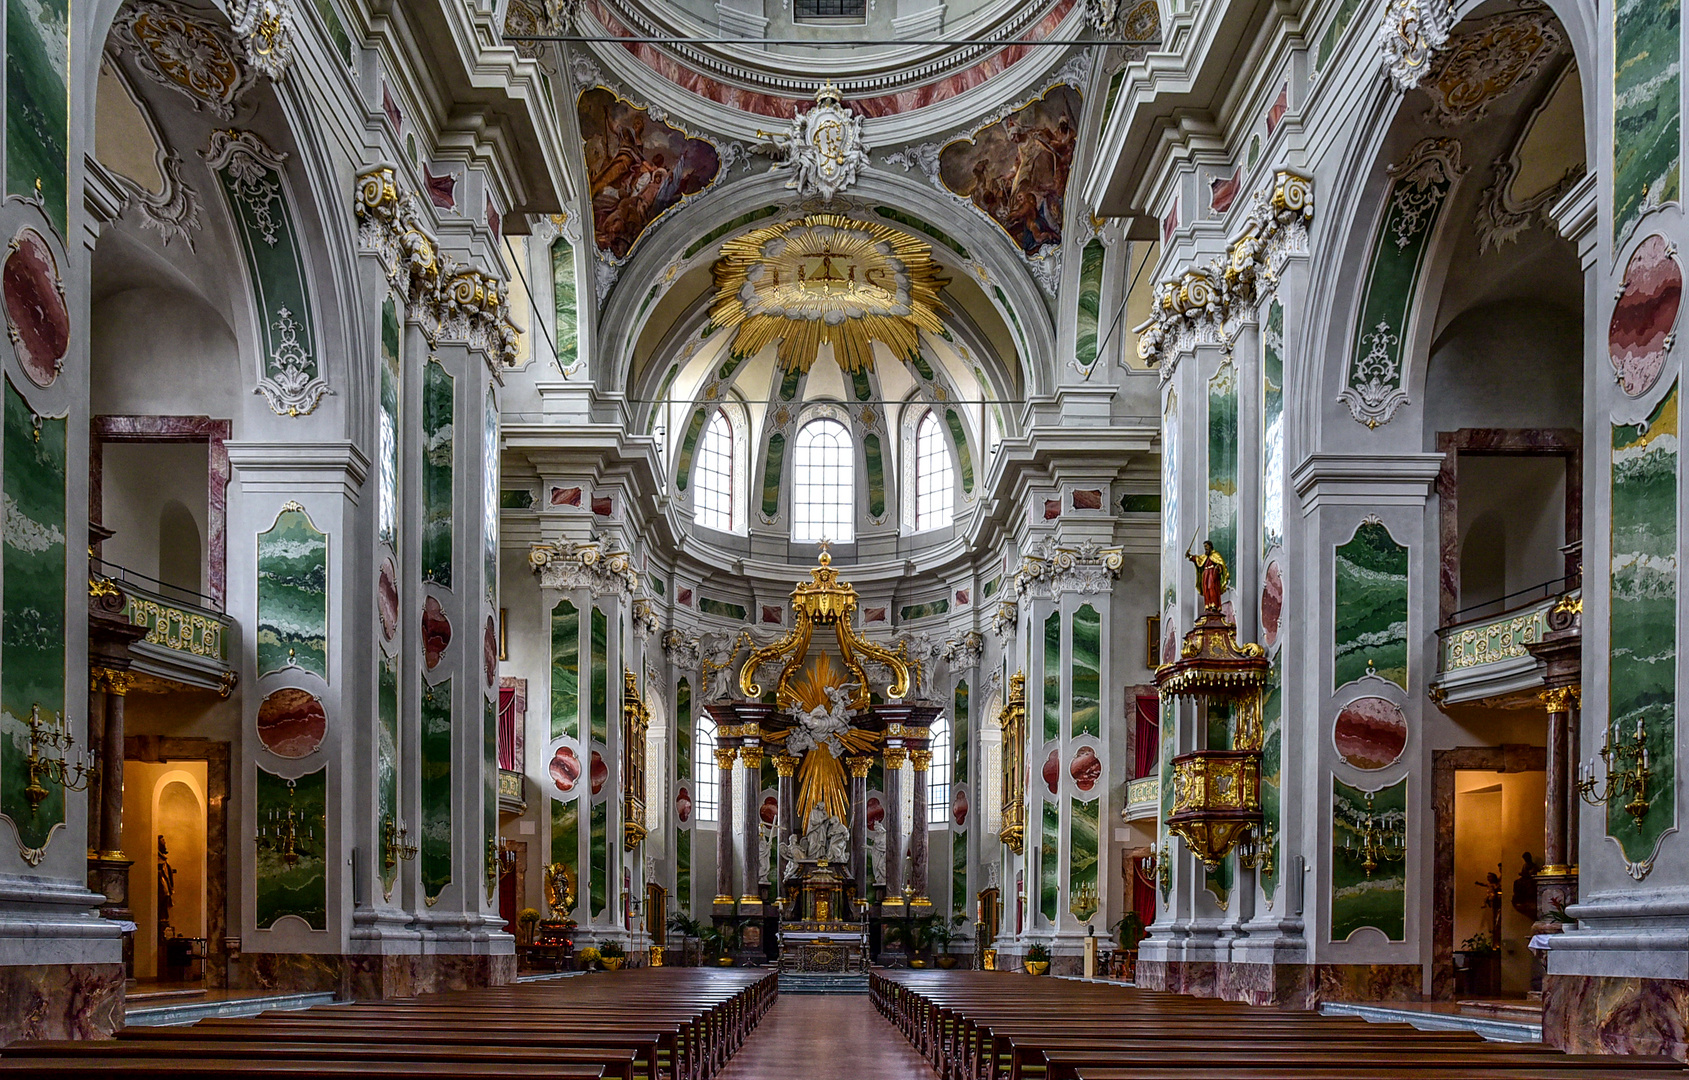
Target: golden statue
1212, 577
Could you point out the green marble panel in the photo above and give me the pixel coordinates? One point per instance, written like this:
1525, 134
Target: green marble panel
1140, 503
726, 227
771, 472
489, 795
437, 418
924, 611
489, 498
1272, 429
1082, 840
1090, 302
860, 383
918, 225
789, 383
1371, 626
565, 671
293, 595
1086, 673
32, 608
964, 456
435, 842
991, 587
1172, 547
1222, 462
600, 872
958, 872
1052, 677
921, 365
599, 714
299, 888
516, 500
336, 29
1642, 627
729, 366
1049, 863
1361, 898
962, 730
683, 869
387, 761
1115, 82
38, 105
1334, 32
1218, 880
656, 584
1272, 763
387, 468
566, 843
721, 608
683, 729
565, 304
688, 446
1009, 310
876, 470
1647, 113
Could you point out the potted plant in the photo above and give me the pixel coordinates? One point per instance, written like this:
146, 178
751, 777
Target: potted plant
719, 941
942, 934
913, 935
526, 920
612, 956
589, 958
690, 930
1479, 960
1037, 960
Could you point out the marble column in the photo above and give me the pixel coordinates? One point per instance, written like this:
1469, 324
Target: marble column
859, 767
895, 757
922, 761
112, 865
96, 750
1557, 881
786, 766
752, 757
724, 758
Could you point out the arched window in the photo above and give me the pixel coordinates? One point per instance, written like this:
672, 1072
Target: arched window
938, 773
713, 497
823, 484
704, 790
935, 476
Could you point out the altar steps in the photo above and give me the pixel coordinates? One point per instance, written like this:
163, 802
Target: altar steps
795, 982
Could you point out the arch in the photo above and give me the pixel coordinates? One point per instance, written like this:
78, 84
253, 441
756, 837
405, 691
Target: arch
824, 483
180, 549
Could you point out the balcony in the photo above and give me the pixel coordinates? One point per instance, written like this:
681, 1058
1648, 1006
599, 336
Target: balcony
1143, 799
187, 644
1488, 659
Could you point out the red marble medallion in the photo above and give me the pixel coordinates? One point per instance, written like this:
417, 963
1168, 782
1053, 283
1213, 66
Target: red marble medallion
291, 723
959, 805
1272, 604
35, 308
387, 599
1370, 733
876, 812
1086, 768
683, 803
1052, 771
1640, 332
566, 769
600, 772
436, 632
489, 650
770, 809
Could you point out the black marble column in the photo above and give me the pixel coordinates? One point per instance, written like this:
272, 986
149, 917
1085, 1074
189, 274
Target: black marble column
752, 757
724, 759
921, 759
859, 825
895, 758
786, 767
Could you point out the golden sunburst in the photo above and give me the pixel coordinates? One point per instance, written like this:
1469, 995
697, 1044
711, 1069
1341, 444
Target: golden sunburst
827, 279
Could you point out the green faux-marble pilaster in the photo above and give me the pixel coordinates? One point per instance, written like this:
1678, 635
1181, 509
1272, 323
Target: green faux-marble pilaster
1164, 841
32, 608
1172, 561
875, 469
300, 889
1371, 624
961, 728
1086, 673
688, 447
435, 840
1082, 839
683, 868
489, 498
1222, 462
565, 313
1647, 120
683, 729
336, 29
1272, 763
38, 105
566, 843
1218, 880
771, 471
600, 845
1360, 899
387, 762
1272, 429
293, 595
489, 795
599, 712
1090, 303
1052, 677
1049, 863
565, 671
1642, 627
958, 872
437, 438
860, 383
964, 457
387, 468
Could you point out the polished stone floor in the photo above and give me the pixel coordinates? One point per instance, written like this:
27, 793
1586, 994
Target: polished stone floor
825, 1037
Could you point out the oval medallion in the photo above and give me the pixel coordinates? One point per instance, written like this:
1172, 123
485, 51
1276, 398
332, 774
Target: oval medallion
35, 308
1640, 332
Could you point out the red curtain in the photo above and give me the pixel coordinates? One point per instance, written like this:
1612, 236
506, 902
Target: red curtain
507, 727
1147, 735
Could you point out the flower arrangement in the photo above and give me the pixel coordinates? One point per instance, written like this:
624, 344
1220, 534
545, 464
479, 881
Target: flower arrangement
611, 950
1038, 954
590, 956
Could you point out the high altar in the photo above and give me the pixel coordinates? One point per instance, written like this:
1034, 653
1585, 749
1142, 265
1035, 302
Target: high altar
833, 710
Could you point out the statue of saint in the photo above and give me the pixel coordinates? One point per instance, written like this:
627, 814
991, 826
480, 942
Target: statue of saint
1212, 577
877, 853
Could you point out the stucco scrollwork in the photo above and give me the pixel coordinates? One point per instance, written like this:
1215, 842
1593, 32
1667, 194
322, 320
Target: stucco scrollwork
823, 147
644, 618
1412, 34
1051, 570
963, 653
265, 27
680, 649
198, 57
1003, 619
1488, 63
562, 564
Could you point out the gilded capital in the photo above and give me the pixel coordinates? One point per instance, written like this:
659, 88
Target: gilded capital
859, 767
108, 681
896, 756
724, 756
785, 765
752, 756
1561, 698
921, 759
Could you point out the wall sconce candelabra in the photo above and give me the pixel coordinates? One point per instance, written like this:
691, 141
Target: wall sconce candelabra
395, 843
281, 830
1380, 842
49, 743
1083, 903
507, 855
1255, 851
1626, 764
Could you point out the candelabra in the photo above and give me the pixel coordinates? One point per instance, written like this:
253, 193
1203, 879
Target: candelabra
508, 856
48, 745
1083, 903
395, 843
1255, 851
280, 829
1626, 764
1380, 842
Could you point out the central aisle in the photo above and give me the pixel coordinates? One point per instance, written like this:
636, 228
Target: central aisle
825, 1037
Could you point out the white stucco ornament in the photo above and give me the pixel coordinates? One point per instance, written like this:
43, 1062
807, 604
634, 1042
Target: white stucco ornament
824, 147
